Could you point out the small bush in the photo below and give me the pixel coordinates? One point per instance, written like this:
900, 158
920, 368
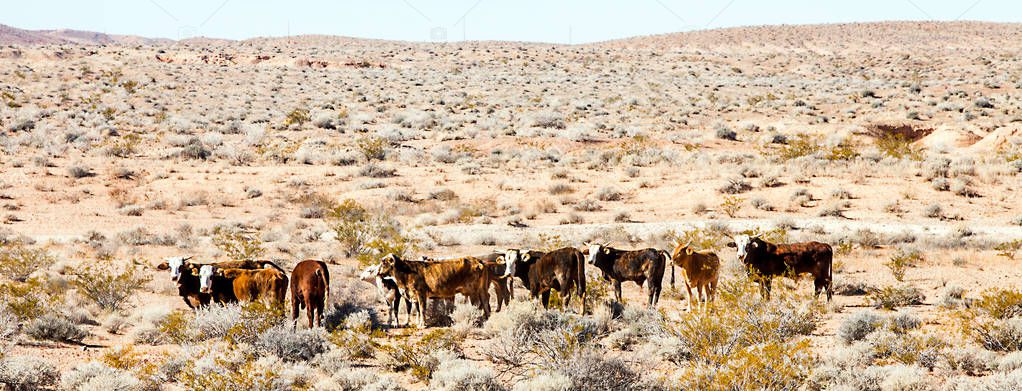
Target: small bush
237, 245
78, 172
27, 373
55, 328
108, 290
372, 148
98, 376
373, 170
731, 205
18, 262
560, 188
609, 194
421, 356
999, 303
892, 297
735, 186
458, 374
859, 325
298, 345
1009, 249
901, 261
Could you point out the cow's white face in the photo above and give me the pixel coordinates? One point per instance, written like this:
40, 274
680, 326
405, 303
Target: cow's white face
511, 257
742, 245
593, 250
205, 278
175, 264
370, 274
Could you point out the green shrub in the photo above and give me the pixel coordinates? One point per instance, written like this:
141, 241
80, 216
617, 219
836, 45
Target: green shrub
297, 116
898, 146
30, 299
18, 262
365, 235
1009, 249
420, 356
109, 290
237, 245
999, 303
372, 148
902, 260
892, 297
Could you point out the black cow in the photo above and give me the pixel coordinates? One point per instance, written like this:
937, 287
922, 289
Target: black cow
638, 265
562, 269
765, 260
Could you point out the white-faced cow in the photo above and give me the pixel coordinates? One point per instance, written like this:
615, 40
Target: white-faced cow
439, 279
229, 285
765, 260
700, 269
562, 269
387, 288
637, 265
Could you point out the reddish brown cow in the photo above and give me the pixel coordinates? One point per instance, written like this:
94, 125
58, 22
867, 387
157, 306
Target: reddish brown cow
439, 279
310, 285
233, 285
700, 269
765, 260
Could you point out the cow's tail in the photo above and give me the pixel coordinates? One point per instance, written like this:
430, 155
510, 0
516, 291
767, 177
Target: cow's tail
581, 265
668, 263
264, 264
324, 274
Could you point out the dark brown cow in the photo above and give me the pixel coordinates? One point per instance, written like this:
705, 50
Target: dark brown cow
186, 275
439, 279
765, 260
243, 285
637, 265
562, 269
310, 285
700, 269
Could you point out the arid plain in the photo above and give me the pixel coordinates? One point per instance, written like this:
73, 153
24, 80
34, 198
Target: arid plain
899, 144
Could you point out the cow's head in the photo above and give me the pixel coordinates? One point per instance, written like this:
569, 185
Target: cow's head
370, 274
594, 250
511, 258
387, 265
206, 273
745, 244
175, 265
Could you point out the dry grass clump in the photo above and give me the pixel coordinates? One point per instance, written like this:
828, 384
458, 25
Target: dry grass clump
892, 297
18, 261
27, 373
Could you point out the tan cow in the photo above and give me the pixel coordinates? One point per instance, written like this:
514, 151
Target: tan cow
700, 269
243, 285
443, 279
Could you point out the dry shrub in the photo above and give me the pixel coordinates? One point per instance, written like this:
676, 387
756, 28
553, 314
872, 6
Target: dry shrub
18, 262
54, 328
422, 357
107, 289
892, 297
27, 373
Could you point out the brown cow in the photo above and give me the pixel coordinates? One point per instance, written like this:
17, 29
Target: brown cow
310, 285
562, 269
245, 285
700, 269
639, 266
765, 260
503, 286
439, 279
186, 275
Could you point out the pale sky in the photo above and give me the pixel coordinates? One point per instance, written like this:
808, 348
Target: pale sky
567, 21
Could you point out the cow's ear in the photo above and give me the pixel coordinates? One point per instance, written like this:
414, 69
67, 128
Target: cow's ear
755, 244
606, 250
163, 266
731, 244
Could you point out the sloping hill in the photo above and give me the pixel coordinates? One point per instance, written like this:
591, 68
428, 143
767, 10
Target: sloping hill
842, 37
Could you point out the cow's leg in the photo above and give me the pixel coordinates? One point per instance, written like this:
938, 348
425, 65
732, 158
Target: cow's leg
422, 310
310, 311
617, 291
688, 295
766, 285
546, 299
819, 285
320, 306
295, 307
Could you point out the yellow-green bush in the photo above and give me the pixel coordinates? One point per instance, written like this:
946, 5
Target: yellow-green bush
419, 356
237, 245
109, 290
18, 262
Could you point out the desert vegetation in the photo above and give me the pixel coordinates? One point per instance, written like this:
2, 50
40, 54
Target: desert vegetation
903, 154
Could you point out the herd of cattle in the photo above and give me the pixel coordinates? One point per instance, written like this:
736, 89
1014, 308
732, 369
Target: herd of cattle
417, 281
